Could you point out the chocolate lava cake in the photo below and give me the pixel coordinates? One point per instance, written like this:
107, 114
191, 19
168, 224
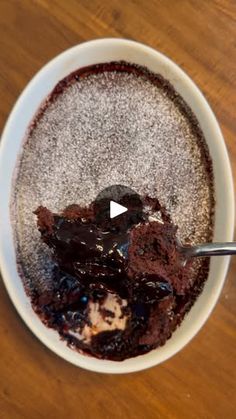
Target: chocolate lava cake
112, 289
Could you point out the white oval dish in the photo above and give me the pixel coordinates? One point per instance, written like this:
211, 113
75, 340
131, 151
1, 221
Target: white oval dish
92, 52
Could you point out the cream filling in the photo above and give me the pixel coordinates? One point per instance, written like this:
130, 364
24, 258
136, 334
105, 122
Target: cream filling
103, 317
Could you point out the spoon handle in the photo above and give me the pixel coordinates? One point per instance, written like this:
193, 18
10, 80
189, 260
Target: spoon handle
210, 249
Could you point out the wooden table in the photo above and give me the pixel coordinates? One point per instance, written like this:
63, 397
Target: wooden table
199, 382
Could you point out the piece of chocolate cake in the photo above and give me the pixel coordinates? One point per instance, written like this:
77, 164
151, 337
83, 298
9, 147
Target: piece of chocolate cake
114, 288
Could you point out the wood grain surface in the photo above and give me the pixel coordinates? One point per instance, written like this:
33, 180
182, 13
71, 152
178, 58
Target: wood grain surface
199, 382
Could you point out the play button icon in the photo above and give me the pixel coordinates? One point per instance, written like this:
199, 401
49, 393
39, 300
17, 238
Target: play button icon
116, 209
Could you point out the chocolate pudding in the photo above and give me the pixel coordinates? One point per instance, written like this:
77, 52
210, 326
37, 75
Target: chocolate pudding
117, 288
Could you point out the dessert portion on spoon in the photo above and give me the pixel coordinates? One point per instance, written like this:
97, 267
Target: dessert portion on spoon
120, 285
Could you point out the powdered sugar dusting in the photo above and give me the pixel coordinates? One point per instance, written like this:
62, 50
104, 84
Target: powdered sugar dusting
109, 128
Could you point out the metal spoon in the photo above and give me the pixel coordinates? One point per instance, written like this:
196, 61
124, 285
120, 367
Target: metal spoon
208, 249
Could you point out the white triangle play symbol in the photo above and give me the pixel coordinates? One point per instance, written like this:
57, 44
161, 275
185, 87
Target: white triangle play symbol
116, 209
